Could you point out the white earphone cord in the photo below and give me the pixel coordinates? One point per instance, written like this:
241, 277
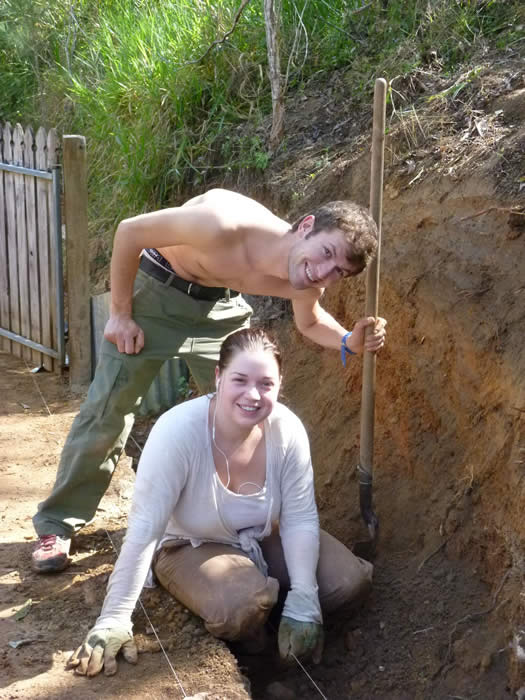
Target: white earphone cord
160, 643
227, 485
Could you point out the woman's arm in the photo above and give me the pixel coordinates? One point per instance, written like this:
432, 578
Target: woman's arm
161, 474
299, 527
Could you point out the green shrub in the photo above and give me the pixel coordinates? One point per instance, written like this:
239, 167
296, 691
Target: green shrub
160, 98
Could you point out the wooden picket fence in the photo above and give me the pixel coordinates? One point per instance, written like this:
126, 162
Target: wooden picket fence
29, 248
31, 242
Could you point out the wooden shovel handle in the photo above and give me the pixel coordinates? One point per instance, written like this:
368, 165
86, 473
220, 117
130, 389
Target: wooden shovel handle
372, 279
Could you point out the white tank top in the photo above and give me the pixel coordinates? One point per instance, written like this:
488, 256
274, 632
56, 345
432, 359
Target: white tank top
239, 511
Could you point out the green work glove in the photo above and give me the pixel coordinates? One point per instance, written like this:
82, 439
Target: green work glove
300, 639
100, 649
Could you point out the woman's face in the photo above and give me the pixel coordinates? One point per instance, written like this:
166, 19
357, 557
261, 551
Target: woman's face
248, 387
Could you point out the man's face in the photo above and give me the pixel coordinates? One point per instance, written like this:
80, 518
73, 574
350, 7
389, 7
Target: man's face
317, 260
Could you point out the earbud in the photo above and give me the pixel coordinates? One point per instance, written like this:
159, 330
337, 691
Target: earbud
217, 384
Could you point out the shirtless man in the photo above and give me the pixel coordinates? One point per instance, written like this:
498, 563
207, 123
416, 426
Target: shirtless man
172, 276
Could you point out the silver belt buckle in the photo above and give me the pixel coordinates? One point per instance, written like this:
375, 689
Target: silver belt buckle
190, 285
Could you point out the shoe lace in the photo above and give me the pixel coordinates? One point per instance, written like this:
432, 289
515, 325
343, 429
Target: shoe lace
47, 542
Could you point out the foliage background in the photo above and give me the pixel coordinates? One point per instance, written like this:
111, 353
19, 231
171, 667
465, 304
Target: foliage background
165, 104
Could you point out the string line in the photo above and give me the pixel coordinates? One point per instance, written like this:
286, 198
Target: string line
310, 677
153, 628
37, 387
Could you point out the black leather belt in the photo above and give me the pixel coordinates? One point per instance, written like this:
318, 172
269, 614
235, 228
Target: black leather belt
197, 291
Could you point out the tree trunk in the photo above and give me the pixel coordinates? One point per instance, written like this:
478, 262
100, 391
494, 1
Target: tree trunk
272, 20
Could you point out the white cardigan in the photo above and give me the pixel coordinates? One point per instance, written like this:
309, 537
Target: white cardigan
176, 497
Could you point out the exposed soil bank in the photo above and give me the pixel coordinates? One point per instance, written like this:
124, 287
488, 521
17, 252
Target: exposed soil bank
450, 444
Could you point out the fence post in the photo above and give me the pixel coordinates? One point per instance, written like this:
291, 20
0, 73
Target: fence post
77, 261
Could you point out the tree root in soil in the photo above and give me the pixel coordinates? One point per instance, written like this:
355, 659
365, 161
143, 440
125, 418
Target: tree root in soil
470, 618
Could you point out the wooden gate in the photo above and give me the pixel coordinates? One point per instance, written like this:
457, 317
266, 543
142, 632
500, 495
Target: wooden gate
31, 284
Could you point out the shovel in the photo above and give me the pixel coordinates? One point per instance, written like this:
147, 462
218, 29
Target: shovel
365, 468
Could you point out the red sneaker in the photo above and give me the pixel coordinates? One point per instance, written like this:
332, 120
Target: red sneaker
51, 554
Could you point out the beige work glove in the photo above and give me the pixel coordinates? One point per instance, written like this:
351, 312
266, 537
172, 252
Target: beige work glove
100, 649
300, 639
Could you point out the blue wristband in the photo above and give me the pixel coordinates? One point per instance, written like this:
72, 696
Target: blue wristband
344, 350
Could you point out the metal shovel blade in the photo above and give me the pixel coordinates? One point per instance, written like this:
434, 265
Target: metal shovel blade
367, 549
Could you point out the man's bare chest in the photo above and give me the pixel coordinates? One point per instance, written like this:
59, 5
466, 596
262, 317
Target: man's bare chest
225, 268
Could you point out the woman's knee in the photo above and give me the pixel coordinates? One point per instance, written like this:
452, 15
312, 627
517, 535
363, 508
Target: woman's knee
220, 585
243, 611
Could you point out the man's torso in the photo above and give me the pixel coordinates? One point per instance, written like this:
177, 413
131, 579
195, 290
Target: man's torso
237, 257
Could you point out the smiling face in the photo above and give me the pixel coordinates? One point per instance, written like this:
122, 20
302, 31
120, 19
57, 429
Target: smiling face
248, 387
318, 260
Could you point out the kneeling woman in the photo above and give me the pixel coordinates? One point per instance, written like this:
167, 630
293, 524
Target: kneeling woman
224, 512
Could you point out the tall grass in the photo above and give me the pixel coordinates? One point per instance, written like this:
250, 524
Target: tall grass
128, 75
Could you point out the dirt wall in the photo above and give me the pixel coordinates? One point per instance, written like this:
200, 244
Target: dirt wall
450, 438
449, 483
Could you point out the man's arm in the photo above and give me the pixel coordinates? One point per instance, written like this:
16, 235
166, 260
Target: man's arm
318, 325
195, 225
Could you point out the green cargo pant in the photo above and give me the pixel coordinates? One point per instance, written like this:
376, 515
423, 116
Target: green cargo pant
174, 325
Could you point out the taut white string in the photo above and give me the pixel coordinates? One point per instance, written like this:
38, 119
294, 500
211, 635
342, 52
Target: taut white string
303, 668
115, 550
309, 677
151, 625
37, 387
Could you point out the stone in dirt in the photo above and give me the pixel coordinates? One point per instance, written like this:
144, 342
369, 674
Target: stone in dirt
279, 691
